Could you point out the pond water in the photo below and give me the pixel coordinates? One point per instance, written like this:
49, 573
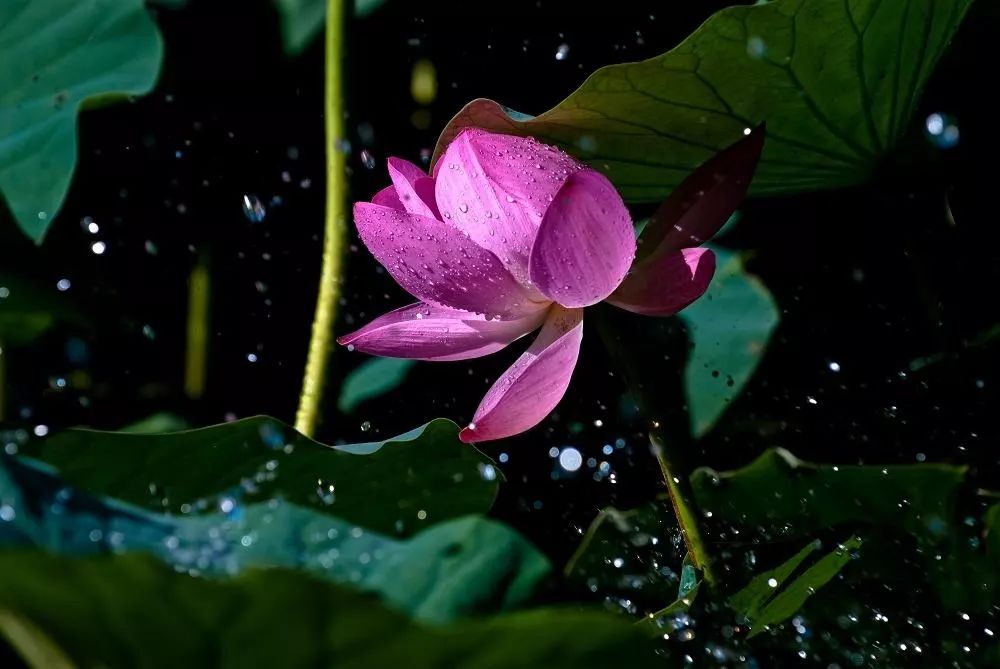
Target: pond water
847, 348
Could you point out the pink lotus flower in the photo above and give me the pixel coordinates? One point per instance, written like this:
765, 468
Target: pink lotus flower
510, 235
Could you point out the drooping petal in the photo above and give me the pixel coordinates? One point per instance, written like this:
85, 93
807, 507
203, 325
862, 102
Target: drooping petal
428, 332
532, 387
497, 188
664, 285
414, 188
705, 200
585, 243
387, 197
438, 264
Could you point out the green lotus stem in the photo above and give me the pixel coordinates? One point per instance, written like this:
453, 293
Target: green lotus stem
334, 229
682, 499
196, 355
675, 476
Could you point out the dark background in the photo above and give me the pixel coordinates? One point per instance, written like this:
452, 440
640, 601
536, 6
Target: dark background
870, 278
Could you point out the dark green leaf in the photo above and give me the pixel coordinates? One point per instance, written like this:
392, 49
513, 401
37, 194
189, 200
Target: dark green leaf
126, 612
774, 596
370, 379
59, 56
914, 509
837, 83
729, 329
396, 486
28, 310
158, 422
631, 554
778, 496
785, 496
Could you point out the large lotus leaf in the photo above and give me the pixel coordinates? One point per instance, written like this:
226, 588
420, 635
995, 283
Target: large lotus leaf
458, 567
125, 612
59, 56
836, 82
396, 486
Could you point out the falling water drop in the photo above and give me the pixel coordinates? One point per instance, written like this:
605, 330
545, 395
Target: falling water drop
253, 208
367, 159
942, 130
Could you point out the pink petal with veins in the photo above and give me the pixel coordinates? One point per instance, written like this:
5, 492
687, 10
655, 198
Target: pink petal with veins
532, 387
585, 244
429, 332
436, 263
497, 188
414, 188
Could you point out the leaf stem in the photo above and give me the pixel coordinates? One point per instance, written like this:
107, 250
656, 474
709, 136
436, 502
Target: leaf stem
334, 230
675, 476
682, 499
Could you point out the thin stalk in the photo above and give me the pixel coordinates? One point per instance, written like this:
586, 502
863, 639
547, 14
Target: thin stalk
196, 354
682, 499
334, 229
675, 476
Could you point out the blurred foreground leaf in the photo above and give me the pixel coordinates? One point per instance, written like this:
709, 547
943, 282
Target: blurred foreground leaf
123, 612
458, 567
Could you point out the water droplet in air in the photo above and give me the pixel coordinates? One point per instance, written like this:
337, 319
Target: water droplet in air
367, 159
570, 459
365, 426
253, 208
562, 53
942, 130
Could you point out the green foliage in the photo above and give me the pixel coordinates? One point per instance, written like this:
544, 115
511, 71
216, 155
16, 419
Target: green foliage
774, 596
370, 379
396, 486
913, 512
630, 554
130, 611
837, 83
60, 56
729, 328
28, 310
782, 496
